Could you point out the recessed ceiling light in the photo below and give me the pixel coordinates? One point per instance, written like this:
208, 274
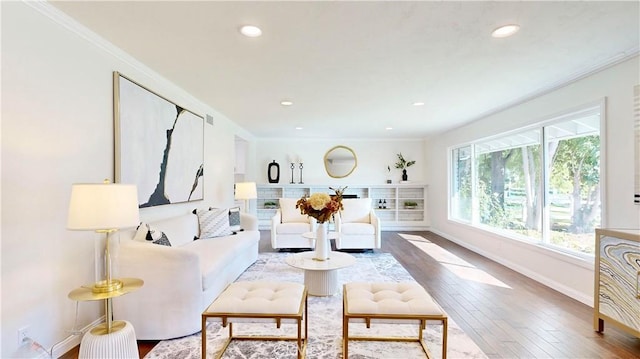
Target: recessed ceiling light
250, 31
298, 128
418, 103
286, 103
505, 30
388, 128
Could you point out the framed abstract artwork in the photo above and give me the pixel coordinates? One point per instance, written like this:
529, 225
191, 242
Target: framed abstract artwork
159, 146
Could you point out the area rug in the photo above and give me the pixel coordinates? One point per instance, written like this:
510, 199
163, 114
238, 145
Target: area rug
325, 322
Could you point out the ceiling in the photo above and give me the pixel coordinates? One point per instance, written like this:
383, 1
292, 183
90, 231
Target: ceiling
352, 69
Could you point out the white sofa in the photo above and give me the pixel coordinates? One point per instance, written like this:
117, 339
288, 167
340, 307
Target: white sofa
288, 225
182, 280
357, 225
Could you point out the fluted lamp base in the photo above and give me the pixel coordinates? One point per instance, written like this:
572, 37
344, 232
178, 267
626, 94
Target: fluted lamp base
120, 343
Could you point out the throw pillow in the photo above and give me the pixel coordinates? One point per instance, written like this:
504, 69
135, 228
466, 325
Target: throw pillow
157, 236
234, 219
214, 223
141, 232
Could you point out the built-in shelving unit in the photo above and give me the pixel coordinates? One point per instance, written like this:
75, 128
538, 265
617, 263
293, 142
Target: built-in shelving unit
387, 200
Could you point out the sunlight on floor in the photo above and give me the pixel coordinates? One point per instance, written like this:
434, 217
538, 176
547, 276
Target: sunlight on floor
455, 264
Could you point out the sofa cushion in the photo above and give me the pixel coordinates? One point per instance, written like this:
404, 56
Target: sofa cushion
290, 213
149, 234
180, 230
356, 210
217, 253
213, 223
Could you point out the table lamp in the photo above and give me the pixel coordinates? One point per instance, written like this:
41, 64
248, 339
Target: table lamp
246, 191
104, 208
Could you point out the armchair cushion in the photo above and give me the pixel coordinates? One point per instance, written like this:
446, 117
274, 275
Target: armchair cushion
293, 228
356, 210
290, 213
358, 229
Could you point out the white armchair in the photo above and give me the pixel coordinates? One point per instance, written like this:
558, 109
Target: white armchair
288, 225
357, 225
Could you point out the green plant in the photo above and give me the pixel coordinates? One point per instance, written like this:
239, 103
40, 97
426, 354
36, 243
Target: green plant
402, 163
410, 204
270, 203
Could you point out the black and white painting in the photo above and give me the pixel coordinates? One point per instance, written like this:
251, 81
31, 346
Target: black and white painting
159, 146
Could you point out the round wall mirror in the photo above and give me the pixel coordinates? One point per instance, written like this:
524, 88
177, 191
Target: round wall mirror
340, 161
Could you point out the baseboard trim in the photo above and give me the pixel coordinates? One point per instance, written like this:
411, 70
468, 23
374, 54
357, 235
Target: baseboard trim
73, 340
570, 292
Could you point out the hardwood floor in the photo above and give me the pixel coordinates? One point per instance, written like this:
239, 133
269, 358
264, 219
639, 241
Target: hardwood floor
523, 319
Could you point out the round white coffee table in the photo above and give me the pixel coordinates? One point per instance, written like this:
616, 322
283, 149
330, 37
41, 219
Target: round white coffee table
321, 277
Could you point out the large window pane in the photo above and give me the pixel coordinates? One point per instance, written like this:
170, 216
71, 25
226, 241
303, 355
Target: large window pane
461, 196
508, 185
573, 152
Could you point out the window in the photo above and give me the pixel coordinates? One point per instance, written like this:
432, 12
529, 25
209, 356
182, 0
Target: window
498, 183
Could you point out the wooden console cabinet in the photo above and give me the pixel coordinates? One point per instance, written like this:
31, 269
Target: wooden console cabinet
617, 280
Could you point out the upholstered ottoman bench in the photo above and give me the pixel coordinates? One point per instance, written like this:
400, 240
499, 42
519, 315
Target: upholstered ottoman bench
401, 303
259, 302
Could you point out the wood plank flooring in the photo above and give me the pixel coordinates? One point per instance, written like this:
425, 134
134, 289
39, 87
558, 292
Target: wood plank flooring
525, 320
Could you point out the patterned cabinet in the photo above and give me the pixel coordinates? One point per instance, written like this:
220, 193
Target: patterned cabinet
388, 200
617, 280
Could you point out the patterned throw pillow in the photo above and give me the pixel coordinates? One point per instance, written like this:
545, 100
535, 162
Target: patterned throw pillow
234, 219
156, 236
214, 223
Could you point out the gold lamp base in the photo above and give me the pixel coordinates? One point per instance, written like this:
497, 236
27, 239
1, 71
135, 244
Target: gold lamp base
103, 329
106, 286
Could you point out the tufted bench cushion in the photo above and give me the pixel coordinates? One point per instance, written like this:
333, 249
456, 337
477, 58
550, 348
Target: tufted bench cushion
257, 302
390, 303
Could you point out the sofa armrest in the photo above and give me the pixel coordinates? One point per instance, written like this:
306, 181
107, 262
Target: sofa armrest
248, 222
275, 220
375, 221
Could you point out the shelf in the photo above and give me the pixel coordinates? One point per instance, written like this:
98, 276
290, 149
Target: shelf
395, 216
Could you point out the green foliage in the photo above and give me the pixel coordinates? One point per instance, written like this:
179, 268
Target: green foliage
402, 163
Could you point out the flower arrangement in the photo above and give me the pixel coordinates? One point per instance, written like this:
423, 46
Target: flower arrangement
321, 206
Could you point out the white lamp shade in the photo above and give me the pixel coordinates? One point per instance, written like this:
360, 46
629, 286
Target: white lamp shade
246, 190
102, 206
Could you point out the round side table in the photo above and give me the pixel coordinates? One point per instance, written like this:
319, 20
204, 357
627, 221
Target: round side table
321, 277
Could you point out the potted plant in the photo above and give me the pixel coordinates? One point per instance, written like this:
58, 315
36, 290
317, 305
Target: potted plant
403, 165
270, 205
410, 205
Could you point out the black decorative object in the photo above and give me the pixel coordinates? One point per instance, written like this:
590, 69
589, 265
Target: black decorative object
404, 175
300, 174
380, 204
273, 172
293, 165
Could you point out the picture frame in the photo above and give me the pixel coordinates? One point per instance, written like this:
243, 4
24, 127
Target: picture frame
159, 145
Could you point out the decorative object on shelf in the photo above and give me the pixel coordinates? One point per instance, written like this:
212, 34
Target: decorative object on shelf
384, 204
388, 174
340, 161
168, 166
403, 164
246, 191
379, 204
270, 205
273, 172
301, 174
410, 205
322, 207
293, 165
105, 208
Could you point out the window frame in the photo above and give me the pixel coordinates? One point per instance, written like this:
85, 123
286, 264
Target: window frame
594, 107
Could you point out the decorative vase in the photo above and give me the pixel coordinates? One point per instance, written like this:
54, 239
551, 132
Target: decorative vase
273, 172
322, 243
404, 175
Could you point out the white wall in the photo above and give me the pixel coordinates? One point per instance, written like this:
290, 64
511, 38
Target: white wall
373, 158
569, 275
57, 129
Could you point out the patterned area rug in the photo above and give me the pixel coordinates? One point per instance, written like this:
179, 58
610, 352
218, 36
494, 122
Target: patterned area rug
325, 322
